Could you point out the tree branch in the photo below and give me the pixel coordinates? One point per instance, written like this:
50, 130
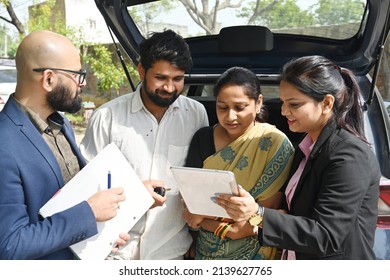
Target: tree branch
14, 19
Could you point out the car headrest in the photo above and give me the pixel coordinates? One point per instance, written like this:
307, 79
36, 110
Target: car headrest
245, 39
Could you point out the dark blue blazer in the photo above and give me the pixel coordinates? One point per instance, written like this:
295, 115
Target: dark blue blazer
29, 177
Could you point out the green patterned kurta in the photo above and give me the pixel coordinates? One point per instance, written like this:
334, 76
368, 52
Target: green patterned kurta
260, 160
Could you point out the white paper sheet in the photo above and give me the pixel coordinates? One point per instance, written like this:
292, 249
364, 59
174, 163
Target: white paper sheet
89, 180
199, 187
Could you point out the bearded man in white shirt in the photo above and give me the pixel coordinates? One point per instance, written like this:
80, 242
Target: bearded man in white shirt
153, 127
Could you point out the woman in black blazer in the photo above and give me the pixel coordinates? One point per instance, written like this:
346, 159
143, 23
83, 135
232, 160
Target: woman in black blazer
332, 195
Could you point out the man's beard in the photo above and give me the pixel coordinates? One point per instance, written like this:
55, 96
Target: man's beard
157, 100
59, 99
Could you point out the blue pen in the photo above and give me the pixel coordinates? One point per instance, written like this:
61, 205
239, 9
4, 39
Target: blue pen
109, 180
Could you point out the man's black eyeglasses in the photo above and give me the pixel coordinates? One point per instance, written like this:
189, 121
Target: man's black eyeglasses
81, 73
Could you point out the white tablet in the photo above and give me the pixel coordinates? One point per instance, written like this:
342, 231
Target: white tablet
199, 187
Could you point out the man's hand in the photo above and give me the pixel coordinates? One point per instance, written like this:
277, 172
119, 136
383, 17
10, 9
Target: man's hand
158, 199
105, 203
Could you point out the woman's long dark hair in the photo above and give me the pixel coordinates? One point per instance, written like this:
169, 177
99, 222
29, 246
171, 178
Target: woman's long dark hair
317, 76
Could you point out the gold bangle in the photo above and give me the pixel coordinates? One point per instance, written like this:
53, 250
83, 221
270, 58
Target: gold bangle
217, 231
225, 231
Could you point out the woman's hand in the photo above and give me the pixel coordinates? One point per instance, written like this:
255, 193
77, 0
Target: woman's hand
193, 220
240, 230
239, 208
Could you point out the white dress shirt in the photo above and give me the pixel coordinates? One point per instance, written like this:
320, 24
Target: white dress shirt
151, 149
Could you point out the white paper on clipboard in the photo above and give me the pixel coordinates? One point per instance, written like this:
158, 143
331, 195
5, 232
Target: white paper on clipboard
199, 187
92, 178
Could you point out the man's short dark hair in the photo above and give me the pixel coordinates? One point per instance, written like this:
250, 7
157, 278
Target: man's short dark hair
166, 45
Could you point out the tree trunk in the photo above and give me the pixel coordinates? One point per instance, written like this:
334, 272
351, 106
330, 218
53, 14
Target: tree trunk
14, 19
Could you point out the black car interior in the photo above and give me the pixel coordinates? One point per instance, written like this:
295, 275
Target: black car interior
248, 39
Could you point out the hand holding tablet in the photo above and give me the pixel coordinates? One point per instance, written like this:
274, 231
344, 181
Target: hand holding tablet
199, 187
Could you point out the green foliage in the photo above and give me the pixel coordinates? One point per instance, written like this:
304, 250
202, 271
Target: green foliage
283, 14
287, 14
4, 39
45, 17
12, 51
11, 42
109, 75
75, 119
97, 58
292, 18
339, 11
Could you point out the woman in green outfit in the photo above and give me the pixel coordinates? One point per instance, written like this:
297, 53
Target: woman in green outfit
256, 152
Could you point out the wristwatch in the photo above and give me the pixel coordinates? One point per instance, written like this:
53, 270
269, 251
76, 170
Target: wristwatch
256, 220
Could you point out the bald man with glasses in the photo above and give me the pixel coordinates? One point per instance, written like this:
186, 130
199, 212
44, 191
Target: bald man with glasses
39, 155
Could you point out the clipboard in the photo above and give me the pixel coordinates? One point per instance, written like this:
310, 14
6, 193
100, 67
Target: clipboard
93, 178
199, 187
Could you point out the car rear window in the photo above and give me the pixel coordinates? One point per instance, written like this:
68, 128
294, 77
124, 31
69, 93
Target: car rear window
333, 19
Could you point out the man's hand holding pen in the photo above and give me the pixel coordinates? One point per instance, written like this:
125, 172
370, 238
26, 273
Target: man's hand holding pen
105, 203
158, 190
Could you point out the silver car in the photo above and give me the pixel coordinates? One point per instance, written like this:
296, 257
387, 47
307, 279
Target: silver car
7, 83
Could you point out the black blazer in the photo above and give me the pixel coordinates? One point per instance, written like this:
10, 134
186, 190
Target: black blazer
334, 208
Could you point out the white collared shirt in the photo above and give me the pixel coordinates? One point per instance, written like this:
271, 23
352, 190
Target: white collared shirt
151, 149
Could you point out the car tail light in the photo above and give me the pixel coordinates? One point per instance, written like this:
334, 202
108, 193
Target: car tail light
384, 204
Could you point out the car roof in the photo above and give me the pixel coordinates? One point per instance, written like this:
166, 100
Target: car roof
260, 48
